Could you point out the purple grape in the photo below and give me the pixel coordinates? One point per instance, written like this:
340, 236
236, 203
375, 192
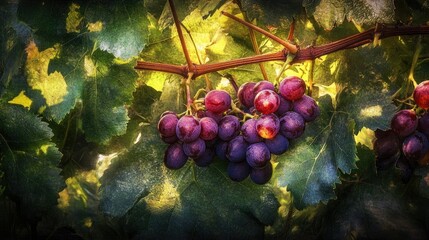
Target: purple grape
217, 101
258, 155
263, 85
170, 140
236, 150
248, 131
278, 145
307, 108
229, 127
415, 146
292, 88
167, 125
267, 101
292, 125
268, 126
285, 106
174, 157
220, 149
387, 148
424, 124
238, 171
209, 128
245, 94
216, 116
262, 175
188, 128
404, 122
405, 169
205, 159
194, 149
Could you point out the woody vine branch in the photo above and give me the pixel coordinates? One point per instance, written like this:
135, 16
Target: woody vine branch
380, 31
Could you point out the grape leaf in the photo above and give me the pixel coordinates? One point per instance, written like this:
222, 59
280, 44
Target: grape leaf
109, 87
29, 161
368, 107
200, 202
309, 169
125, 26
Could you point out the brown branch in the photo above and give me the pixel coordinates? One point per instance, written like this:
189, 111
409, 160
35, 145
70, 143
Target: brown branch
179, 32
292, 48
309, 53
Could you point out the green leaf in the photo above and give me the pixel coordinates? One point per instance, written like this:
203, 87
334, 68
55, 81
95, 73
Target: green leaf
125, 26
109, 88
190, 202
369, 107
29, 161
21, 129
309, 168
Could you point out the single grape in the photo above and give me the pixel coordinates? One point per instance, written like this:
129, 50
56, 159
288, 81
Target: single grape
170, 140
421, 95
238, 171
263, 85
387, 147
248, 131
167, 125
258, 155
188, 128
229, 127
220, 149
404, 122
284, 106
205, 159
194, 149
307, 107
424, 124
245, 94
217, 101
174, 157
209, 128
268, 126
292, 88
236, 150
267, 101
262, 175
278, 145
415, 146
292, 125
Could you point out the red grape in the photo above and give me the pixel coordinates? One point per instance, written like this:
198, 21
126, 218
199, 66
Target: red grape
246, 95
167, 125
267, 101
209, 128
421, 95
404, 122
292, 88
263, 85
217, 101
268, 126
188, 128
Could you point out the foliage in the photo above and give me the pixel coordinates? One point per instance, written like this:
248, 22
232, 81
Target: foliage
79, 153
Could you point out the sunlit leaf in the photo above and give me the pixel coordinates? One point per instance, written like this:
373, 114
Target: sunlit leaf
310, 168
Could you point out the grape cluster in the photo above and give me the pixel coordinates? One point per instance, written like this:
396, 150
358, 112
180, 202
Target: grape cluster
406, 143
270, 120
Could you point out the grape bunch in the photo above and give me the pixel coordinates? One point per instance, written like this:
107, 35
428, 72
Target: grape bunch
406, 143
263, 122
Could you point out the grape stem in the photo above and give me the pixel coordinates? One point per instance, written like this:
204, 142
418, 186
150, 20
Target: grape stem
303, 54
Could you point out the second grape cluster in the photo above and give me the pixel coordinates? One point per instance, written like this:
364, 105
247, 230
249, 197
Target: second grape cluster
266, 120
